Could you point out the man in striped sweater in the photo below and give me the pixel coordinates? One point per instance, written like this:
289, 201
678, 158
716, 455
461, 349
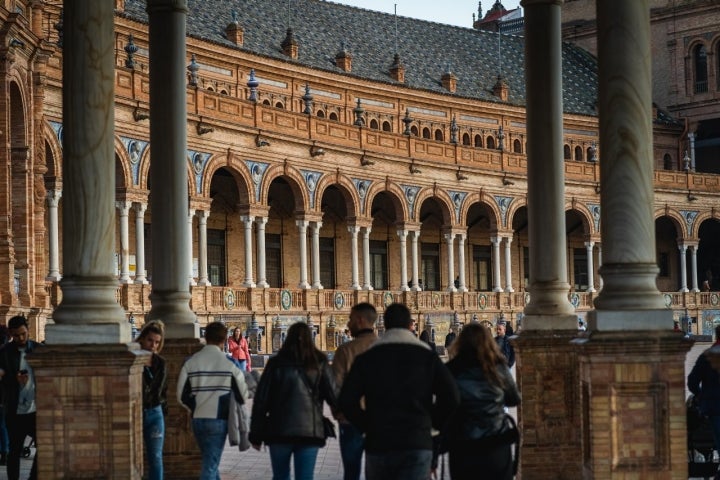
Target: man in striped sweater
206, 382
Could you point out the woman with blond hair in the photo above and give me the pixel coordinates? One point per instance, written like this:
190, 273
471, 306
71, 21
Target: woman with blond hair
151, 338
479, 436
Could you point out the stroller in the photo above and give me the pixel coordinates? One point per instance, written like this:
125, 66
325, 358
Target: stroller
701, 447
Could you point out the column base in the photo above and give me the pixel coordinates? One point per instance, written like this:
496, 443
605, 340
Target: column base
636, 320
263, 284
318, 287
304, 285
204, 283
141, 281
368, 288
404, 288
550, 322
247, 284
125, 280
93, 333
53, 277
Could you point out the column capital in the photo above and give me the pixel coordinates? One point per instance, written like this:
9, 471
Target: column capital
302, 223
316, 224
261, 221
140, 208
402, 233
191, 213
53, 197
353, 229
123, 206
682, 246
462, 236
203, 214
495, 240
247, 219
589, 244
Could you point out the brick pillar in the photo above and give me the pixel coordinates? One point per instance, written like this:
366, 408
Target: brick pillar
181, 454
89, 411
549, 412
633, 398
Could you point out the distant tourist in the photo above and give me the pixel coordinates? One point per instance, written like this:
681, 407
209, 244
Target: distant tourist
704, 383
239, 350
504, 344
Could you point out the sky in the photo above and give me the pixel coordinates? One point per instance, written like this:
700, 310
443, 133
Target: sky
451, 12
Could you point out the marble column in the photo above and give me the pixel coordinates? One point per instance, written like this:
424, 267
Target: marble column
461, 262
367, 285
508, 265
261, 258
496, 263
600, 279
170, 295
302, 246
53, 199
449, 241
402, 234
691, 140
189, 230
590, 270
89, 282
202, 248
693, 267
354, 230
683, 267
140, 271
315, 227
248, 220
124, 209
414, 259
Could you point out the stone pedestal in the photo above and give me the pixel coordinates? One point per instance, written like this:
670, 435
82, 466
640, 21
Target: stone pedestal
549, 413
89, 411
632, 387
181, 453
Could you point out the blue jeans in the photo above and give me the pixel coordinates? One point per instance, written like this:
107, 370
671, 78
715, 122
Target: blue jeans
242, 364
398, 465
210, 435
715, 423
154, 436
304, 457
352, 443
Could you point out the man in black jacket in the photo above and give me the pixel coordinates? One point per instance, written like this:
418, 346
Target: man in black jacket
18, 391
399, 377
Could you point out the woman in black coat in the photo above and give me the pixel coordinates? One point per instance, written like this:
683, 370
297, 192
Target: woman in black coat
478, 437
287, 412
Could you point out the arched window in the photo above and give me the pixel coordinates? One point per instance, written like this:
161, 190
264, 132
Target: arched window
223, 92
374, 124
517, 146
333, 116
320, 114
466, 139
578, 154
439, 135
386, 127
589, 154
478, 141
266, 102
701, 73
414, 131
490, 142
667, 162
210, 89
426, 132
566, 152
279, 105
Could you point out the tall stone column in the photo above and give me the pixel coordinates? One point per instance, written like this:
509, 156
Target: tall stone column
354, 230
316, 226
366, 259
461, 262
248, 222
591, 272
683, 267
140, 273
496, 263
189, 230
53, 199
202, 248
124, 208
302, 246
600, 279
546, 367
402, 234
508, 266
261, 258
414, 258
693, 267
449, 241
632, 363
170, 297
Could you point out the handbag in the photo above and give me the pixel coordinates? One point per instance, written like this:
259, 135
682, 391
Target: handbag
328, 425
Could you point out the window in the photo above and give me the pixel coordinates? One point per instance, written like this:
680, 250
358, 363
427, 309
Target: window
320, 114
430, 266
378, 264
490, 142
466, 139
482, 268
426, 133
279, 105
386, 127
414, 131
333, 116
374, 124
566, 152
578, 154
580, 271
439, 135
478, 141
273, 260
517, 146
667, 162
216, 257
701, 73
664, 264
327, 262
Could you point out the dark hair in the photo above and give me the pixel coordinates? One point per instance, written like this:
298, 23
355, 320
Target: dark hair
300, 348
425, 336
476, 344
16, 322
215, 332
397, 315
366, 311
153, 326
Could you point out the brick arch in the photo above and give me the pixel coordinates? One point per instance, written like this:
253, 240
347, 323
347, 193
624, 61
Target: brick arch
346, 187
674, 216
144, 169
585, 215
515, 205
54, 168
294, 179
486, 200
446, 205
121, 157
702, 218
237, 169
18, 118
397, 195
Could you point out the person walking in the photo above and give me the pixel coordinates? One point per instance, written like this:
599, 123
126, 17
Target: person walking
239, 350
395, 393
18, 391
287, 413
205, 384
503, 343
151, 339
704, 382
478, 437
361, 324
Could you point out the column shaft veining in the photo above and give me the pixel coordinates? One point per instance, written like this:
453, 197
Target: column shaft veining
140, 275
261, 259
53, 198
402, 234
354, 230
202, 248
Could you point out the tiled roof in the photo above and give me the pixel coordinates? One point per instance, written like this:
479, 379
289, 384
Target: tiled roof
426, 49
